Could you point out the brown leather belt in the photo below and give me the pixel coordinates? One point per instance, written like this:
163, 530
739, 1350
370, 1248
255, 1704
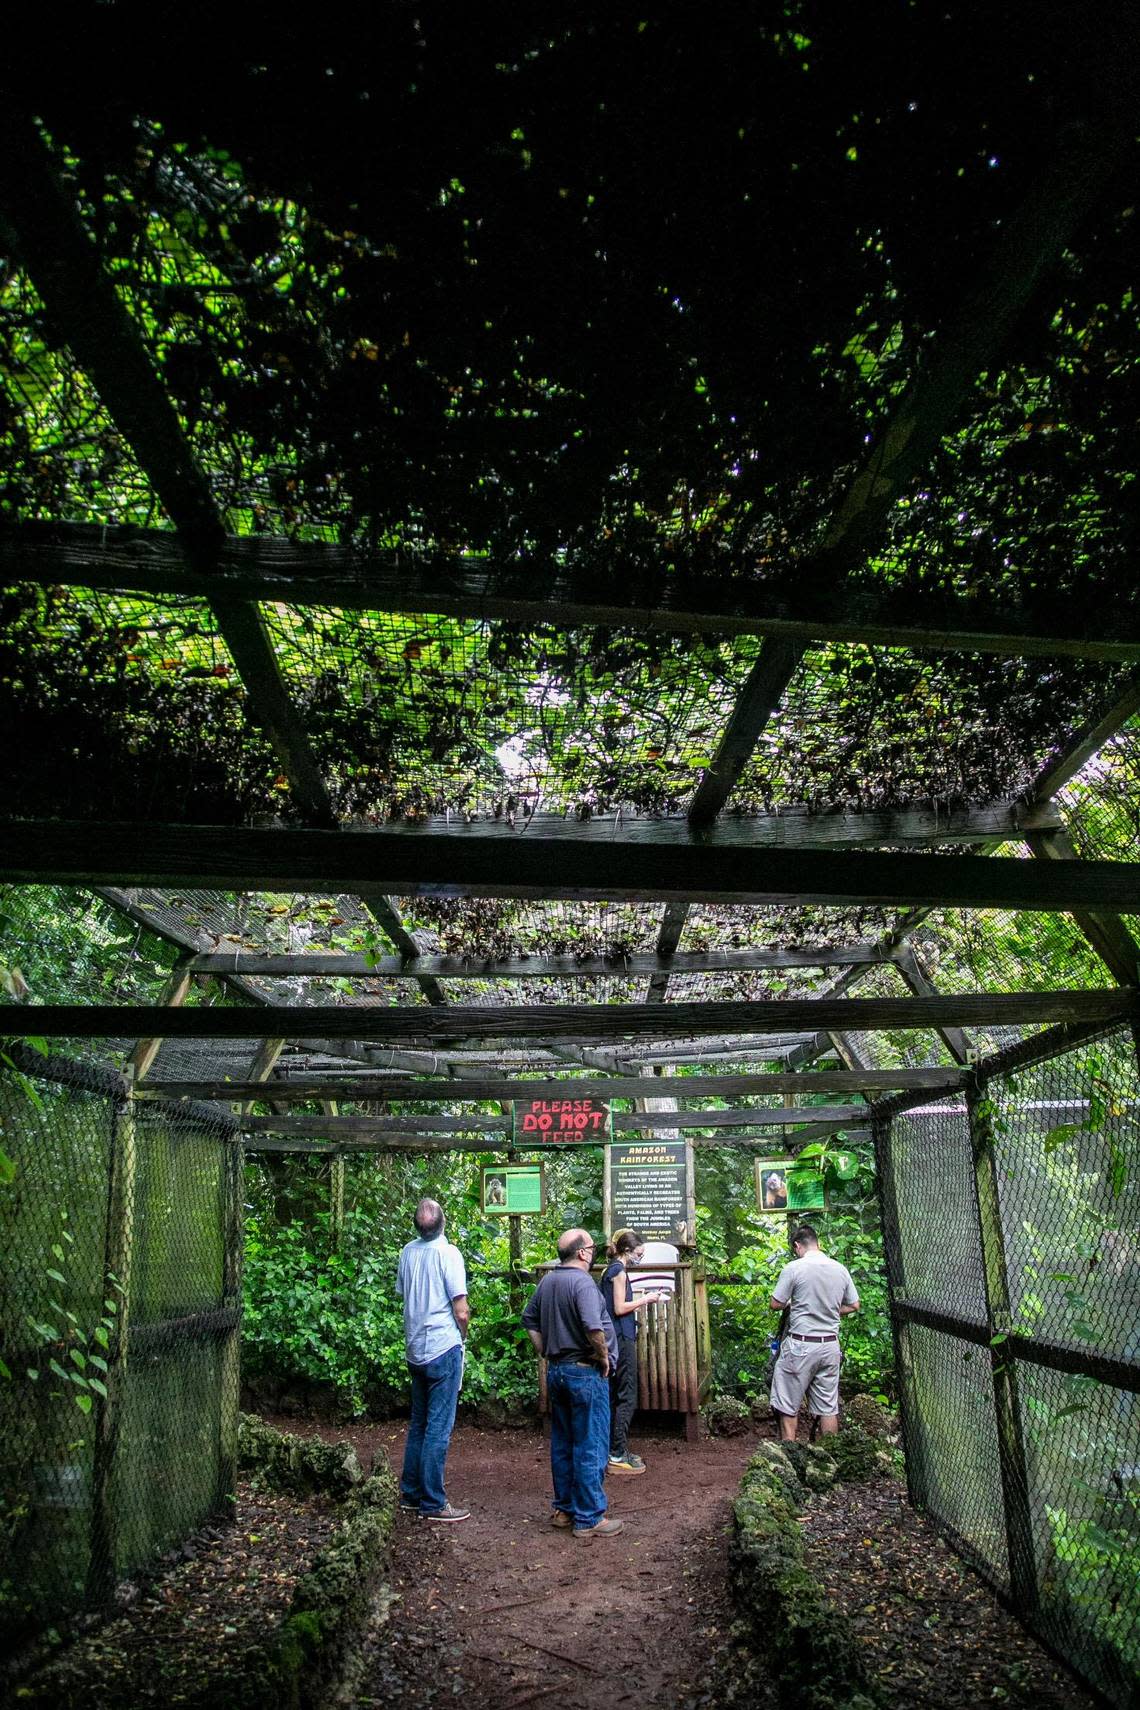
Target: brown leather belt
796, 1338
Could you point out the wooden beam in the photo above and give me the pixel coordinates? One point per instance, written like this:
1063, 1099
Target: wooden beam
572, 1021
794, 827
64, 266
624, 1121
437, 582
1106, 932
1013, 1460
1079, 1359
668, 937
436, 1144
175, 993
1088, 739
297, 1088
911, 971
407, 862
1038, 1048
391, 922
759, 698
254, 964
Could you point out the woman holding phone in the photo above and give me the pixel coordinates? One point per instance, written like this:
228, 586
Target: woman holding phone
625, 1249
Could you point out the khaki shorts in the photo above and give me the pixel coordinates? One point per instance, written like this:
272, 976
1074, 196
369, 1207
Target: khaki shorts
806, 1367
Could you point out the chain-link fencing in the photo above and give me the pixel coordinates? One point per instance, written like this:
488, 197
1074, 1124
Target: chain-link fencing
1012, 1234
121, 1224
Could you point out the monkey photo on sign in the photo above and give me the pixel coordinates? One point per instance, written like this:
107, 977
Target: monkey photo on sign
496, 1191
775, 1191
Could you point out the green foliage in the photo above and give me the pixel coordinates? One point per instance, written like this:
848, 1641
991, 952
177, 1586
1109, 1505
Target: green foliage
738, 1239
1096, 1567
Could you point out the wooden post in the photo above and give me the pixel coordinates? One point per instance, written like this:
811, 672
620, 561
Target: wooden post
701, 1316
911, 1421
118, 1254
673, 1349
229, 1354
514, 1248
336, 1185
1011, 1442
336, 1200
174, 994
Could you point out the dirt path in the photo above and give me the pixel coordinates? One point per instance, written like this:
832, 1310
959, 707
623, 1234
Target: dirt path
515, 1613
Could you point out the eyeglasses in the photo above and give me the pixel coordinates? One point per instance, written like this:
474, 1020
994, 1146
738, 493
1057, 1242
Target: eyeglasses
589, 1247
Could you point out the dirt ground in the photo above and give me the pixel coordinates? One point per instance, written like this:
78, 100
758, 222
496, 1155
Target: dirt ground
513, 1613
510, 1611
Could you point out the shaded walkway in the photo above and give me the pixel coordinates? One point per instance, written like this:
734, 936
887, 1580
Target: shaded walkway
516, 1613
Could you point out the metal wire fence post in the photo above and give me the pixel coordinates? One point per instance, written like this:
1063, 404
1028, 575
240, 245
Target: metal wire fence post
1011, 1442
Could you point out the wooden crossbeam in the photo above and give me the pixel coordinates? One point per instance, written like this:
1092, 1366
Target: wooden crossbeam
84, 306
602, 1022
351, 965
407, 862
624, 1121
372, 1087
405, 580
915, 977
1106, 932
408, 1142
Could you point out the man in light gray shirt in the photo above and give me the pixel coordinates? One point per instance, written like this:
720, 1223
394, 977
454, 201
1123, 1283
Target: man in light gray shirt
817, 1293
432, 1283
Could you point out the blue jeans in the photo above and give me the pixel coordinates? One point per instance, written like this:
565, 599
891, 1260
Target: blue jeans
435, 1390
579, 1440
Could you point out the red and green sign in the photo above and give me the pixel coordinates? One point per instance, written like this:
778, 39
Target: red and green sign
538, 1121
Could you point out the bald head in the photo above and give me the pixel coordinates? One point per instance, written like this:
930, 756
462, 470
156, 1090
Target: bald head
570, 1246
429, 1219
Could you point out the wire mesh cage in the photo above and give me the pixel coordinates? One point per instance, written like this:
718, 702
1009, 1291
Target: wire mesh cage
121, 1224
1010, 1221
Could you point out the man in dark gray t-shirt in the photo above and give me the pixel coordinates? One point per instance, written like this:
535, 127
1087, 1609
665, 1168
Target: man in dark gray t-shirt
567, 1321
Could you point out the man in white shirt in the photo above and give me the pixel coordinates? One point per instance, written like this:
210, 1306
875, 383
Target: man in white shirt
432, 1283
817, 1293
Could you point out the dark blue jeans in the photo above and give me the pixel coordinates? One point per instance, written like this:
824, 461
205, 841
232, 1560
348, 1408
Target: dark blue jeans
435, 1390
579, 1440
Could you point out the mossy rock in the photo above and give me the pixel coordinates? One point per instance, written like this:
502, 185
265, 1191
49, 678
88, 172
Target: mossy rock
302, 1466
793, 1633
878, 1421
331, 1602
725, 1416
761, 1405
857, 1454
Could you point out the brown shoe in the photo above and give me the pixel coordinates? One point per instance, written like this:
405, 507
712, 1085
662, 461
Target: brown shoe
558, 1518
600, 1529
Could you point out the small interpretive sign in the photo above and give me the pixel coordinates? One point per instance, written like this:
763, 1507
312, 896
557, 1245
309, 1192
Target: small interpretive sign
513, 1190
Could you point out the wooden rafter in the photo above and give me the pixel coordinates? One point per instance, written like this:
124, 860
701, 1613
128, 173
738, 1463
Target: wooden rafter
556, 1022
624, 1121
353, 965
293, 1088
406, 862
1108, 936
413, 582
408, 1142
64, 265
913, 975
1027, 247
